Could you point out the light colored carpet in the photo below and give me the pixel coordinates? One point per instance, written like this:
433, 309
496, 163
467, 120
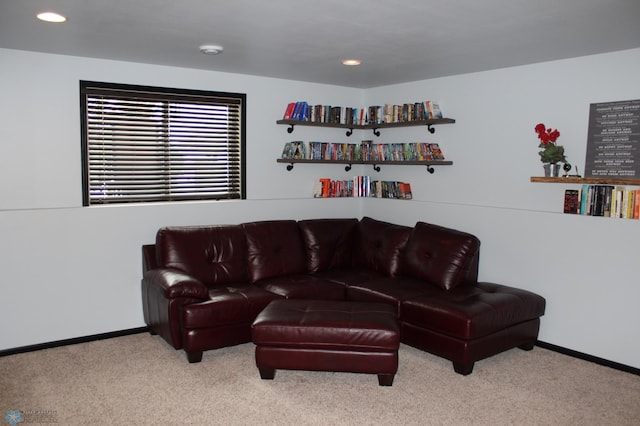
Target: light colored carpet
139, 379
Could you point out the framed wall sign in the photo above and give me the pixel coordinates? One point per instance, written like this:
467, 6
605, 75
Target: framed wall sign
614, 140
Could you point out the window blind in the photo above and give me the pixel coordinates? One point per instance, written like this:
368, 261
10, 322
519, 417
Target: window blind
146, 144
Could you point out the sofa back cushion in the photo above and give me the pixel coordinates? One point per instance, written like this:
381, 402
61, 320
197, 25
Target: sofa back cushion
274, 248
441, 256
215, 255
328, 242
379, 246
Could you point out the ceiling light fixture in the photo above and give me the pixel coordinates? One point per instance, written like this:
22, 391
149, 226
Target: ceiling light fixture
211, 49
351, 62
51, 17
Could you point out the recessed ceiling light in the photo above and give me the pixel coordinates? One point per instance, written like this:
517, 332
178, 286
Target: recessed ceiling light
211, 49
51, 17
351, 62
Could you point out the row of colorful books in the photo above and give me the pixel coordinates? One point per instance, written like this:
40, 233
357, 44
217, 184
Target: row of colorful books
603, 200
365, 151
374, 114
361, 186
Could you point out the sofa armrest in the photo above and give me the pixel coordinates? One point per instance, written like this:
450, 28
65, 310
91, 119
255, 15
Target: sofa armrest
173, 284
149, 257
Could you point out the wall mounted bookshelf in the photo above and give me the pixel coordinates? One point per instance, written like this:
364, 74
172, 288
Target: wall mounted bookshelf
376, 164
589, 181
374, 127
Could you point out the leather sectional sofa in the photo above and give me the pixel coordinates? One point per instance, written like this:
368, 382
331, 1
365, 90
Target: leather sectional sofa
203, 286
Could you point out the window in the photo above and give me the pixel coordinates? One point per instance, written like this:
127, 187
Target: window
148, 144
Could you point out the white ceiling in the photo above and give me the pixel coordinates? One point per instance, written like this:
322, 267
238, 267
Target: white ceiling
397, 40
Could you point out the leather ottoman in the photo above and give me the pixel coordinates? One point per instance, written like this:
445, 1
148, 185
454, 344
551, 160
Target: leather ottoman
322, 335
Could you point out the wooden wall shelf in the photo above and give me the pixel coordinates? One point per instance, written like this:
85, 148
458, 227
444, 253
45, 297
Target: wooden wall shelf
590, 181
376, 164
374, 127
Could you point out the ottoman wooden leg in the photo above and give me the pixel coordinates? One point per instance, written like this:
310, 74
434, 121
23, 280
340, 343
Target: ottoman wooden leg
194, 357
267, 373
385, 379
464, 369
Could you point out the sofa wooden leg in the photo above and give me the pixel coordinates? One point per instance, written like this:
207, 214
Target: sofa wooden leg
194, 357
385, 379
527, 346
464, 369
267, 373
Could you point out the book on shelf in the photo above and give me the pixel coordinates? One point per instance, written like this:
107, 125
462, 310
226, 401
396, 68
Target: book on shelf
606, 201
433, 109
361, 186
405, 190
303, 112
294, 150
354, 116
389, 116
374, 114
288, 113
364, 151
572, 201
298, 111
434, 151
317, 189
336, 115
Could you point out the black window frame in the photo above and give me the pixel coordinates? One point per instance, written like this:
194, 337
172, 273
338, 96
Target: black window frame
236, 187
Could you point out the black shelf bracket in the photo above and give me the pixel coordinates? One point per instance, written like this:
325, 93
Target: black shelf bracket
290, 167
347, 167
290, 129
376, 131
430, 169
349, 132
376, 167
431, 130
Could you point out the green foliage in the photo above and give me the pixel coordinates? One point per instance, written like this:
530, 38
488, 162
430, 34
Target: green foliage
552, 153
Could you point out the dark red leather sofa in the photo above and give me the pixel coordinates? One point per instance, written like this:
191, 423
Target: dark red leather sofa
203, 286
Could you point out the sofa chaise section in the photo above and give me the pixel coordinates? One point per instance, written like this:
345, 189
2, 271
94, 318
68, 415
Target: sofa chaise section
456, 317
471, 323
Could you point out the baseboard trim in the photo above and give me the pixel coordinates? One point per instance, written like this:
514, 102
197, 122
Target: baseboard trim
130, 331
590, 358
74, 341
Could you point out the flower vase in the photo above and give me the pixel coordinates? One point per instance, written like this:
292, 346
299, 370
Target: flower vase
551, 169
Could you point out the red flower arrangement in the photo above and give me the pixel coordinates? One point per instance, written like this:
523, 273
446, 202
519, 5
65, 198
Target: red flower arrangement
546, 135
551, 153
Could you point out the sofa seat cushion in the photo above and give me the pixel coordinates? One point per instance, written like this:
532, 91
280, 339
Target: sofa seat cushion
227, 305
389, 290
441, 256
470, 312
327, 325
303, 287
328, 242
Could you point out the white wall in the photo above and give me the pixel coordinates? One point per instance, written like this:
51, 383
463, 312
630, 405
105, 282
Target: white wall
584, 266
70, 271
